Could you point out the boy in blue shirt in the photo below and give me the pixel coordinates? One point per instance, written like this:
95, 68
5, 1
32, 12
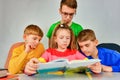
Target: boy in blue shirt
110, 59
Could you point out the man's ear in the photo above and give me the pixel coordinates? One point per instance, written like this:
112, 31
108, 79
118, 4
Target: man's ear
60, 11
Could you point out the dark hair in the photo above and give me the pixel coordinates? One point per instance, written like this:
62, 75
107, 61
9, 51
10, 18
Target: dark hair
69, 3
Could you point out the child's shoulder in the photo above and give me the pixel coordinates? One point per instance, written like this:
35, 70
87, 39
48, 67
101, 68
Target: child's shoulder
56, 52
106, 51
40, 44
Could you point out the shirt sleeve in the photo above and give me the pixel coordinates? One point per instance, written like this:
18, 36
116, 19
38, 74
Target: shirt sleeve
80, 56
46, 56
17, 61
116, 61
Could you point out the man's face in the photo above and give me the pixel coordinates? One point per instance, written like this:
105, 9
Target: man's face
88, 47
67, 14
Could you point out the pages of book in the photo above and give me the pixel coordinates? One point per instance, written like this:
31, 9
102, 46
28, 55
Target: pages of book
79, 63
63, 64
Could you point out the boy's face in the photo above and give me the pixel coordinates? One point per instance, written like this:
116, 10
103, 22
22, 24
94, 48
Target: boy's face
88, 47
67, 14
32, 39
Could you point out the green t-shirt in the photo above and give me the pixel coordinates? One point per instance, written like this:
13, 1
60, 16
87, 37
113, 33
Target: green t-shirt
76, 28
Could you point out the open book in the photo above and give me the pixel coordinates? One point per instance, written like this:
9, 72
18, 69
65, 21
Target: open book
64, 64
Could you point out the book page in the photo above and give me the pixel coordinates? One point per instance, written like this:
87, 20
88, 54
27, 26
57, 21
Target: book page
53, 64
80, 63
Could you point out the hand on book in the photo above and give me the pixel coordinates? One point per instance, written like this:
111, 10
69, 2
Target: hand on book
96, 68
31, 66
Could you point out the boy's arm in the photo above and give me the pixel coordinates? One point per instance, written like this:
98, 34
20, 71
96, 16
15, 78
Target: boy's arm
114, 62
17, 61
106, 68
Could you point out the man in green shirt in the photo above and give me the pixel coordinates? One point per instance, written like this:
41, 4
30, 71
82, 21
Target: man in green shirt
67, 11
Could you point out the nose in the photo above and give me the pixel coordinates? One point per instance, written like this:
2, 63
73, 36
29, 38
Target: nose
68, 17
83, 49
65, 39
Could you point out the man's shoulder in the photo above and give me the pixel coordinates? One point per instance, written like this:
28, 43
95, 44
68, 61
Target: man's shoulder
54, 24
77, 24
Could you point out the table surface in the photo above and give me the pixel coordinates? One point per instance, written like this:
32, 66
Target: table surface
80, 76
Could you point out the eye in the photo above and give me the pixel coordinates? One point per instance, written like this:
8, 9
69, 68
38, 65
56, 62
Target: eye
61, 37
68, 38
34, 38
87, 45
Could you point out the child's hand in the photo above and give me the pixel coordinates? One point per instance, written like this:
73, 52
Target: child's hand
96, 68
106, 68
31, 66
29, 46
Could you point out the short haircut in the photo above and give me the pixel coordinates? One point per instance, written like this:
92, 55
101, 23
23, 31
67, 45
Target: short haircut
33, 29
69, 3
72, 44
86, 34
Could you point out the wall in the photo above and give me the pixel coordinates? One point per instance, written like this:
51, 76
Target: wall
103, 16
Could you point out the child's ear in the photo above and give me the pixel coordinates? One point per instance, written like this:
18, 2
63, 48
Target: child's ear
96, 42
55, 39
24, 36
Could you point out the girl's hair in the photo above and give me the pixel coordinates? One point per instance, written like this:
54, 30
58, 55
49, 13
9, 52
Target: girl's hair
69, 3
33, 29
86, 34
53, 44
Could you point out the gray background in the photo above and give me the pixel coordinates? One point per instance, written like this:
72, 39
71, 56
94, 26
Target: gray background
103, 16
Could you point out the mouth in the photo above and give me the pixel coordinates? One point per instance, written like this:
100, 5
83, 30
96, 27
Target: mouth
86, 53
65, 44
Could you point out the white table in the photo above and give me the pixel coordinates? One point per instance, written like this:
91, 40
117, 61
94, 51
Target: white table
81, 76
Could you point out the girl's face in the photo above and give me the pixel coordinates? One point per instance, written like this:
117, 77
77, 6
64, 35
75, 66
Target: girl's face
62, 39
32, 39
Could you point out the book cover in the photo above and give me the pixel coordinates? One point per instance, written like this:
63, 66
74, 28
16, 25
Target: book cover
3, 73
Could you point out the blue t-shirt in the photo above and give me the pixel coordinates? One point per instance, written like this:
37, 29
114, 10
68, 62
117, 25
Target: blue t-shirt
109, 58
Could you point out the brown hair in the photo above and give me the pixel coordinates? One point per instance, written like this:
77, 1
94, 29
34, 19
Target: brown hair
69, 3
33, 29
72, 44
86, 34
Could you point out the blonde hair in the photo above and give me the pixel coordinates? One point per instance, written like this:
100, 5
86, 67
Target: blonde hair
33, 29
86, 34
72, 44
